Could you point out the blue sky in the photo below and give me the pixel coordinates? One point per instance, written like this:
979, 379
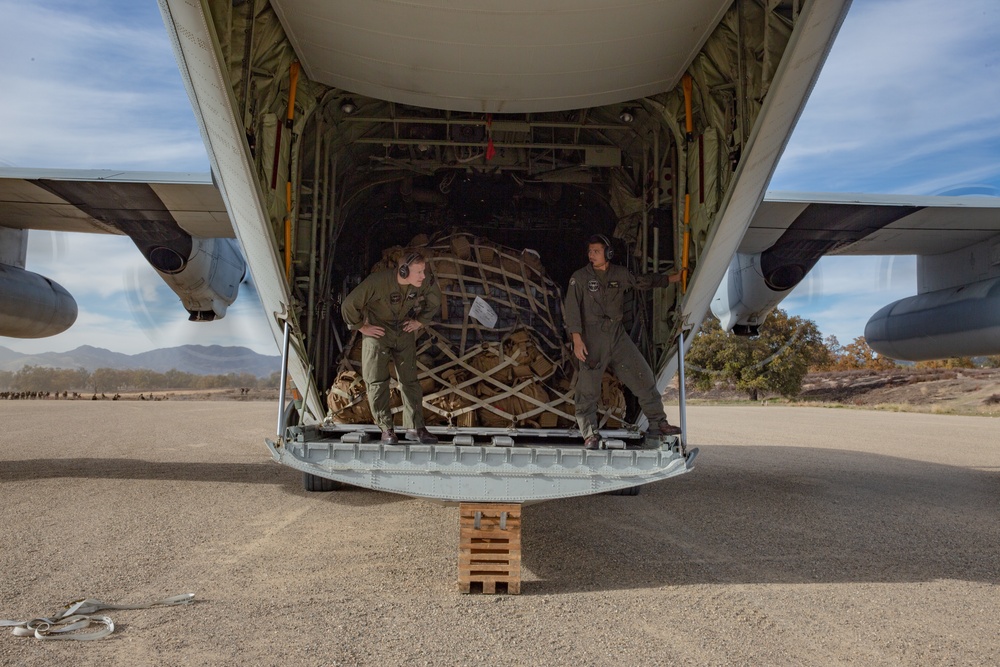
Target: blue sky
909, 102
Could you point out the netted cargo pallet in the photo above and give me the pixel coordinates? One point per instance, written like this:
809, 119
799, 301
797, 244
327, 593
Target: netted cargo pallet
517, 373
489, 547
512, 282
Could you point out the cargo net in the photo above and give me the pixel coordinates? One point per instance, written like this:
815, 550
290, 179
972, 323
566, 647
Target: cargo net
518, 373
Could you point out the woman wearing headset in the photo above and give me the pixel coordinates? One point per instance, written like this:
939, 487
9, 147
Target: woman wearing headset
388, 308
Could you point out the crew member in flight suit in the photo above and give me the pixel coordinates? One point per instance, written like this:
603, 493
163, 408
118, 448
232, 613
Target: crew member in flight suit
593, 313
388, 308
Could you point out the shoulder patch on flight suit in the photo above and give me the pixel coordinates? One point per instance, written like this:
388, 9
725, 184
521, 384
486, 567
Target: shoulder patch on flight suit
572, 281
395, 297
593, 285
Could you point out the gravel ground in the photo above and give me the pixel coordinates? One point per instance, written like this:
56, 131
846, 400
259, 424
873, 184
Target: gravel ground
804, 536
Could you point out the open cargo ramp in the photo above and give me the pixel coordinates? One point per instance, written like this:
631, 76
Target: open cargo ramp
479, 473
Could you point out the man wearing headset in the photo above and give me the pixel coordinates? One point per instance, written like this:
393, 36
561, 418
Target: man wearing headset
593, 312
388, 308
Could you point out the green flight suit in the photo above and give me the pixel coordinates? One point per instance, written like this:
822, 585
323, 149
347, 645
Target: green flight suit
594, 309
382, 301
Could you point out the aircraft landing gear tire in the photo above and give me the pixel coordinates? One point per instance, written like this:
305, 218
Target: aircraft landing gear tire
628, 491
317, 484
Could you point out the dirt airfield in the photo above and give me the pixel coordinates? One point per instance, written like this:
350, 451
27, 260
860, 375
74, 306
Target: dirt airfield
804, 536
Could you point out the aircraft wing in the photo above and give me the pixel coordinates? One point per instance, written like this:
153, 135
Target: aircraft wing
956, 311
177, 221
867, 224
111, 202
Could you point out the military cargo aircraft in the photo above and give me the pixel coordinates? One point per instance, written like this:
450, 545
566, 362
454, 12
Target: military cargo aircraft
335, 130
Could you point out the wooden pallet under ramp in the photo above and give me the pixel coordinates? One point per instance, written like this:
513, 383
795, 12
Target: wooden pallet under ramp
489, 548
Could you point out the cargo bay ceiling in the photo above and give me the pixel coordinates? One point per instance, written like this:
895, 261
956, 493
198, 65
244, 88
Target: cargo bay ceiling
499, 57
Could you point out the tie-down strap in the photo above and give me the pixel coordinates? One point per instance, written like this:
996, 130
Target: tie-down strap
78, 616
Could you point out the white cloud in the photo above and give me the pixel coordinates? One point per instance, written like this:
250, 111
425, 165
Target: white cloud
909, 91
73, 266
907, 103
841, 293
83, 90
124, 305
93, 86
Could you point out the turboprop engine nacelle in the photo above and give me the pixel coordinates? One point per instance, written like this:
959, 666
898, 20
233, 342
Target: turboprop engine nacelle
33, 306
207, 281
743, 299
956, 322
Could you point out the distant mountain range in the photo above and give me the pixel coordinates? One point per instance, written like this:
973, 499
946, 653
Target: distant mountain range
195, 359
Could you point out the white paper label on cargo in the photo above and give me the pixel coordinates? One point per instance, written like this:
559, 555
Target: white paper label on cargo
482, 312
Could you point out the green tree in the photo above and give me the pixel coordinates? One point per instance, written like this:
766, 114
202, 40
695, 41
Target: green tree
108, 379
41, 378
776, 360
243, 380
829, 357
72, 379
954, 362
105, 380
175, 379
272, 381
35, 378
859, 355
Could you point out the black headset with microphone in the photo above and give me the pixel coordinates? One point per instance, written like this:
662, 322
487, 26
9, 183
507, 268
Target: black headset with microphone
404, 268
609, 251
